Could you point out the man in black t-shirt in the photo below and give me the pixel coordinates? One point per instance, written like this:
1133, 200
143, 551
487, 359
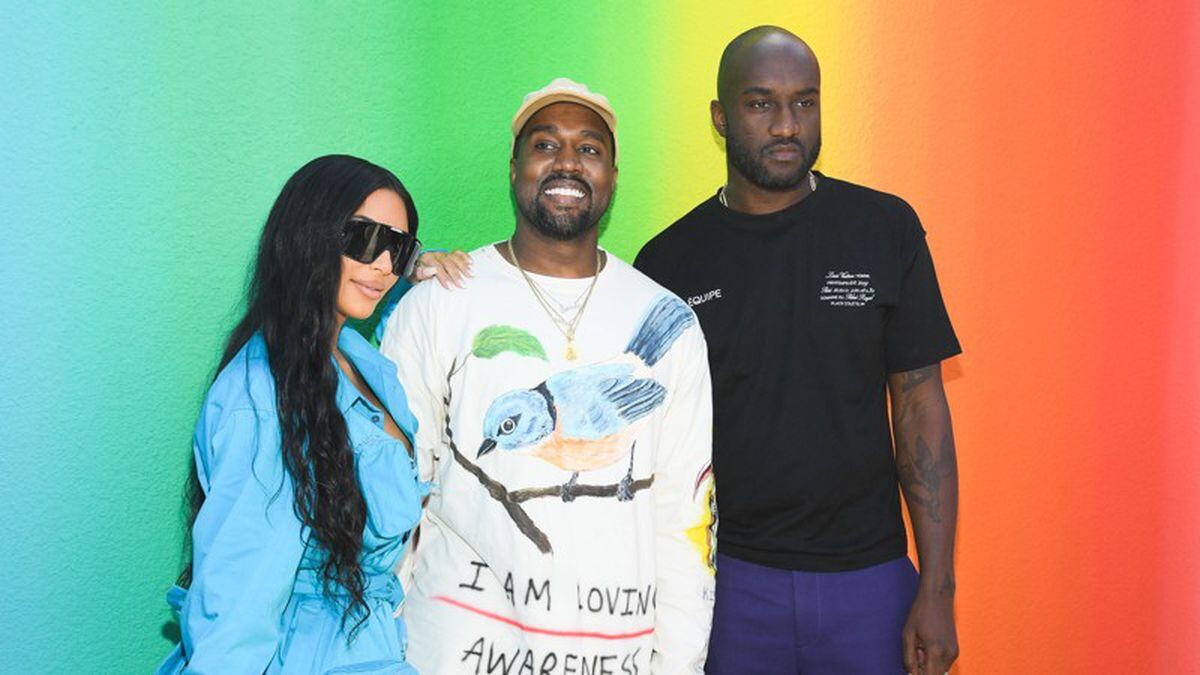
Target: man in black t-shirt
819, 302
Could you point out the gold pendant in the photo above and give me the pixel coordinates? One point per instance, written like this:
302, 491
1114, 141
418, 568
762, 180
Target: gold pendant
570, 350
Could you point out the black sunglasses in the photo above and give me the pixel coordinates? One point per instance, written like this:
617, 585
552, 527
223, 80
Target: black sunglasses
365, 240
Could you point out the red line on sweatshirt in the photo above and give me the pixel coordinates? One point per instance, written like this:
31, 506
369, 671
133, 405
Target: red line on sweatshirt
542, 631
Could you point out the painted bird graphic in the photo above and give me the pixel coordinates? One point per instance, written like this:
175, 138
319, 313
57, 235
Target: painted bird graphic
584, 419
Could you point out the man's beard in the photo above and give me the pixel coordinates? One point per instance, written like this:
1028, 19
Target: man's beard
560, 226
751, 163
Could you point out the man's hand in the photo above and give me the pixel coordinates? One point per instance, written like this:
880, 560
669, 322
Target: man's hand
930, 641
449, 268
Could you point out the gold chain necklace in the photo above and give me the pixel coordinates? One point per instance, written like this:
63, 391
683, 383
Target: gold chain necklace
567, 328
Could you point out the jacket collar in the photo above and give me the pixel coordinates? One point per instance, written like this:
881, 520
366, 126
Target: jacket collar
379, 374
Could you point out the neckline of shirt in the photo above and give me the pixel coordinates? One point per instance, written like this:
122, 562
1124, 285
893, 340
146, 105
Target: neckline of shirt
564, 283
776, 220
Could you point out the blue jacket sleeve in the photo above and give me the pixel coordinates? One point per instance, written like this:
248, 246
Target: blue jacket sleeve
247, 543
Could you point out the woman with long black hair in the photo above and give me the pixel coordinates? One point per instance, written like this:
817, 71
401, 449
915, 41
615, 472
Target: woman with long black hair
307, 486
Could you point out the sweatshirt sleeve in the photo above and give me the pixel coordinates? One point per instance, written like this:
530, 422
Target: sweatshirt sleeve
248, 543
685, 521
410, 342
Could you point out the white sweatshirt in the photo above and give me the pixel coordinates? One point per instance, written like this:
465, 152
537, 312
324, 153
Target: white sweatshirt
570, 527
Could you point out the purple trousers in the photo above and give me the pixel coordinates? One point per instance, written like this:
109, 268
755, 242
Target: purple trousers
772, 621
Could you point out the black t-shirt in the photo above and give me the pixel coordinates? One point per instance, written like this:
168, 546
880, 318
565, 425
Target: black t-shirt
806, 311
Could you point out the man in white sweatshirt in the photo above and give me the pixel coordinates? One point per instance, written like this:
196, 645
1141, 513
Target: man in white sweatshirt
565, 421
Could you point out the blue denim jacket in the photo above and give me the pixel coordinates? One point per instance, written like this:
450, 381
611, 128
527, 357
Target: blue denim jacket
255, 603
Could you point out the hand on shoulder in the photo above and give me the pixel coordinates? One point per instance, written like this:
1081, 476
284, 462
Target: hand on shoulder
449, 268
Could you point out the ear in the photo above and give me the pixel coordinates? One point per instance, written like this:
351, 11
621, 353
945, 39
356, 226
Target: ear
512, 170
718, 117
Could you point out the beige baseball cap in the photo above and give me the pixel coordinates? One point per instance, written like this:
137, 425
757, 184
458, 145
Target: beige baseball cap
560, 90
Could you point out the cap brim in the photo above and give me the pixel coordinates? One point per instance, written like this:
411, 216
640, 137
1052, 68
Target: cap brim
531, 108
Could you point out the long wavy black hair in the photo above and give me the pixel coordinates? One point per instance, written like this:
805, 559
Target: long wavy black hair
292, 303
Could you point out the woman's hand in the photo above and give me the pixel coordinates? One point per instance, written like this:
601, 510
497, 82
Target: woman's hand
449, 268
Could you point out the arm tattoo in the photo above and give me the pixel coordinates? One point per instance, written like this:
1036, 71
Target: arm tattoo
911, 379
923, 474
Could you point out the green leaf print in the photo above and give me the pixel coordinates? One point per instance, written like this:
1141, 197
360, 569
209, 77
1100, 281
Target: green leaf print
495, 340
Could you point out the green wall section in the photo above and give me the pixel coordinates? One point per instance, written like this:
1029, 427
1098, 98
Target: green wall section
142, 147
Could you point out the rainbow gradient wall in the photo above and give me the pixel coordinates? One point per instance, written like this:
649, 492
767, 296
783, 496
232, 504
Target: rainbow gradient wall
1052, 149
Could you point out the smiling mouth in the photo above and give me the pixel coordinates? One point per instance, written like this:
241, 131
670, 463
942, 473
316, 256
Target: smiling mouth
574, 193
565, 191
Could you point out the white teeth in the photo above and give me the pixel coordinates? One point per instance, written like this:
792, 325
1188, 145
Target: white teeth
565, 192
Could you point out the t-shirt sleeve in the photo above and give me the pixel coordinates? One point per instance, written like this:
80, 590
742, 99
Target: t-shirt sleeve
918, 332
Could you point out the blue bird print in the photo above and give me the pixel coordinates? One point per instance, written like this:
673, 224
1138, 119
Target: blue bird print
584, 419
